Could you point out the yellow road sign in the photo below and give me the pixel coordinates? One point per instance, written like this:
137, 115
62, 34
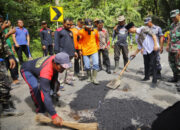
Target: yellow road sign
56, 14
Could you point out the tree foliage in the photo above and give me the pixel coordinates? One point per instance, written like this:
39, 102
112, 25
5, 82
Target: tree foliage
34, 11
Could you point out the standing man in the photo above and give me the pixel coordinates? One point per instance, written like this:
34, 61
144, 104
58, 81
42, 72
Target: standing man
8, 108
89, 46
121, 33
104, 46
158, 32
21, 40
75, 31
173, 47
41, 75
46, 39
147, 41
64, 42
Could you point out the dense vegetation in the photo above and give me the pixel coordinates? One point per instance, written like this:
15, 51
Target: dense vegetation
34, 11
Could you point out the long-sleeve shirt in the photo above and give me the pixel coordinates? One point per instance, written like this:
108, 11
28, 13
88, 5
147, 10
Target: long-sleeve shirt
42, 69
4, 49
64, 42
46, 36
144, 39
104, 38
89, 43
120, 35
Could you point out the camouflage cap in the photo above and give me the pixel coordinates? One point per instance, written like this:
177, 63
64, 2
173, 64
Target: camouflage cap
173, 13
146, 20
121, 18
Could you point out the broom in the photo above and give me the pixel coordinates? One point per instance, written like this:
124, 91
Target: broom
79, 126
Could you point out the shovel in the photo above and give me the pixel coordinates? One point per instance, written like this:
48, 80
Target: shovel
82, 75
115, 83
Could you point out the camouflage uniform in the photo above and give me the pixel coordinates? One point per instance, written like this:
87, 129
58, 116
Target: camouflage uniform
174, 47
4, 78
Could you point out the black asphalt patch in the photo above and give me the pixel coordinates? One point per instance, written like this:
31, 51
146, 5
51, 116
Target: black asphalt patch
114, 114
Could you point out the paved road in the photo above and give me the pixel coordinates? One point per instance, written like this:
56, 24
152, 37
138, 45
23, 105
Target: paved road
134, 104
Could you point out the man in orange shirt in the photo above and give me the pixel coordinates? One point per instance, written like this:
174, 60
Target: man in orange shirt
89, 46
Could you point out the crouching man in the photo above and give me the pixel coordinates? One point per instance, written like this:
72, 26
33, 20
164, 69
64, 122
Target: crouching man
40, 75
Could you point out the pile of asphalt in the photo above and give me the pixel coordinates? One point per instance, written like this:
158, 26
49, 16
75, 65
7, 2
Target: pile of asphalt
114, 113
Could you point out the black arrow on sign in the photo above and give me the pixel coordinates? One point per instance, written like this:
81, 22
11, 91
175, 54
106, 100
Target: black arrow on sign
58, 14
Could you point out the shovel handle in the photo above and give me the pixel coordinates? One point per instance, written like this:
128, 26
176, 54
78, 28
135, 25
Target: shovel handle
124, 68
82, 64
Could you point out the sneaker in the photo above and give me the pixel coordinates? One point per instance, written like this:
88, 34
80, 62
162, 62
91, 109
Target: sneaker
61, 88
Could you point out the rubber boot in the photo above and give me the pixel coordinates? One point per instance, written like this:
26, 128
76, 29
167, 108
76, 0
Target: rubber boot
158, 74
174, 79
108, 70
89, 74
10, 110
178, 84
116, 66
94, 77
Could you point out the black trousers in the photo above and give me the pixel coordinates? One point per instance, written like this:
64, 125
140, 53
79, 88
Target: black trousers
19, 50
117, 49
77, 63
49, 49
150, 61
105, 54
14, 72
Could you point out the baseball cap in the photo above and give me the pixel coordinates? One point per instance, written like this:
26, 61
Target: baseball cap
121, 18
88, 23
173, 13
146, 20
62, 58
43, 22
96, 19
129, 25
101, 21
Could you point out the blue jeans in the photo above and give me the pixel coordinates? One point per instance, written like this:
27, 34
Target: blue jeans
95, 59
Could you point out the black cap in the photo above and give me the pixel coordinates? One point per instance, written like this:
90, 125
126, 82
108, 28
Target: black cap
100, 21
129, 25
88, 23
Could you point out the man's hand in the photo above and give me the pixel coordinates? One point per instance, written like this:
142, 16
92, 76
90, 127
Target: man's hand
167, 48
44, 47
76, 55
57, 121
12, 63
12, 31
16, 45
13, 50
80, 53
6, 24
178, 55
156, 48
142, 50
130, 46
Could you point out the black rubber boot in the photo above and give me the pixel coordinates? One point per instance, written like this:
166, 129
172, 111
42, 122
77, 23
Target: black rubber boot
174, 79
116, 66
108, 70
178, 84
159, 74
10, 110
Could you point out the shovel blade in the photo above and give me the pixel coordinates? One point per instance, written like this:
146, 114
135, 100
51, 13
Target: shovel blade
114, 84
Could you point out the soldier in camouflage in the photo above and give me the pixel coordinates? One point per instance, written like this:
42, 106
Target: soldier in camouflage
8, 108
173, 47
